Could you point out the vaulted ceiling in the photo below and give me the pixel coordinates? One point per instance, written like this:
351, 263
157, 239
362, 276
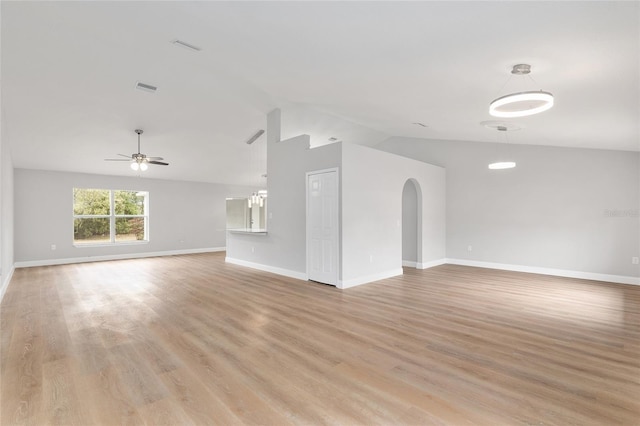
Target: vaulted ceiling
69, 71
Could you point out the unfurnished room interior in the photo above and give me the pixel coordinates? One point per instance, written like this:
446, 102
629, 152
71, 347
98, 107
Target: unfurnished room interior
348, 213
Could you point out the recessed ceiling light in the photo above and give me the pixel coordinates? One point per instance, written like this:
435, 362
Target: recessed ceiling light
146, 87
186, 45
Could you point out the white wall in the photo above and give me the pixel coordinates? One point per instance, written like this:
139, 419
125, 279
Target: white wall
372, 183
283, 248
184, 216
551, 211
6, 215
6, 203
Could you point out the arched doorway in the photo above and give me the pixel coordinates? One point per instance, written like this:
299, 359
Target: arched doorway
412, 224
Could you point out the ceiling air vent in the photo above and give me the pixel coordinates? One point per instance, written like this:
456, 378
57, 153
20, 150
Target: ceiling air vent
255, 137
146, 87
186, 45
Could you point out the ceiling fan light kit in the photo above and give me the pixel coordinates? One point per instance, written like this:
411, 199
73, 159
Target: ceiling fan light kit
521, 104
139, 161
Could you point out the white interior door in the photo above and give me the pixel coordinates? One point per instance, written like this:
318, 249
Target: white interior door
322, 226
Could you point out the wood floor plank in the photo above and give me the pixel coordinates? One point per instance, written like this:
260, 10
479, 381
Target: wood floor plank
61, 402
106, 398
193, 340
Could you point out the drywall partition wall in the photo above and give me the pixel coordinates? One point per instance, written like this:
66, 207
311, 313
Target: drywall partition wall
564, 211
184, 216
283, 249
372, 183
6, 216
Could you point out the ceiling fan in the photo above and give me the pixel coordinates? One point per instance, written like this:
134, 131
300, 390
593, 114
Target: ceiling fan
138, 160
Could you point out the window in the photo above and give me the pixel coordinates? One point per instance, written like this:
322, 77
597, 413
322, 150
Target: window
103, 216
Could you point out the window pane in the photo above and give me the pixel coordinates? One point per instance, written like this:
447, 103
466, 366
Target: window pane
91, 231
129, 229
129, 202
91, 201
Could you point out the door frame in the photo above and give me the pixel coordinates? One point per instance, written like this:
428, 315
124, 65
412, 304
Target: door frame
338, 222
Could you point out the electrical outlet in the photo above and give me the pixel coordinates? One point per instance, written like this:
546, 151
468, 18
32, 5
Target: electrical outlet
469, 248
53, 246
635, 260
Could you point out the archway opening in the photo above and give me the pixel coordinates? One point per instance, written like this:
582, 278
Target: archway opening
412, 224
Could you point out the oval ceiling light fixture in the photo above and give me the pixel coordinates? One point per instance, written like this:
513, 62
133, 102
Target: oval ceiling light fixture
502, 165
521, 104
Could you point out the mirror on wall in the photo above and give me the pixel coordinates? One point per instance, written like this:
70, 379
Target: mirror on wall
247, 214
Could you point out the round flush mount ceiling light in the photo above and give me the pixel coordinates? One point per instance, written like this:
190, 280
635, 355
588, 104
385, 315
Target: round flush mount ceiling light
521, 104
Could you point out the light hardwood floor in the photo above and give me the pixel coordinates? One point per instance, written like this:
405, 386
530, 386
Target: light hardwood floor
192, 340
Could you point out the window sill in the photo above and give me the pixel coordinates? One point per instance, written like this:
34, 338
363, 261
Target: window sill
248, 231
125, 243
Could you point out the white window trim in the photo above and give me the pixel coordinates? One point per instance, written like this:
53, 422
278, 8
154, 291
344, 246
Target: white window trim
112, 222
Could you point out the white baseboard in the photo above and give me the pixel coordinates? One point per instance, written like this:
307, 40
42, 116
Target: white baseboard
369, 278
65, 261
267, 268
5, 282
423, 265
620, 279
431, 264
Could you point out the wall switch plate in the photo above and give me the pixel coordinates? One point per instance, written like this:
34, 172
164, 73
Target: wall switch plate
370, 258
469, 248
635, 260
53, 246
253, 249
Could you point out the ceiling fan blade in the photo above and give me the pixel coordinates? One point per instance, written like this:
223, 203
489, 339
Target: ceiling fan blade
127, 156
116, 159
160, 163
155, 158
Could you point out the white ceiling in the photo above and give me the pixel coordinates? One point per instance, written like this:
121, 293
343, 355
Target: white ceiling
69, 71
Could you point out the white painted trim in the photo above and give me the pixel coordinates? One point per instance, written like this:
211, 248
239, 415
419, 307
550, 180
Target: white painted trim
6, 281
369, 278
273, 269
48, 262
620, 279
431, 264
409, 264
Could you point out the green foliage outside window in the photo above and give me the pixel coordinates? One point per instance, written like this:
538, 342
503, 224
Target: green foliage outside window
94, 215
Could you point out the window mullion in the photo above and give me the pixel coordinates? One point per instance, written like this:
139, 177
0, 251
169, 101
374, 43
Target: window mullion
112, 219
